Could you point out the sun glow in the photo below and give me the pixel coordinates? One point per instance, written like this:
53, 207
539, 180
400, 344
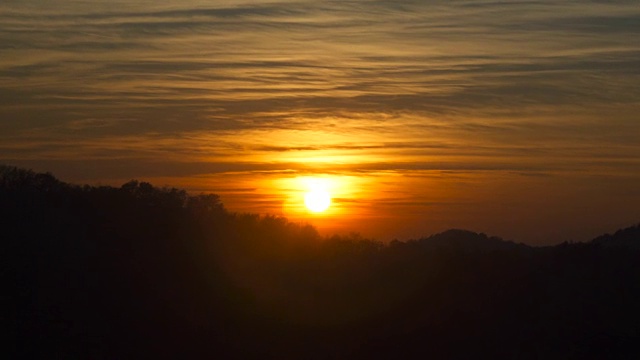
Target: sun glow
317, 194
326, 201
317, 200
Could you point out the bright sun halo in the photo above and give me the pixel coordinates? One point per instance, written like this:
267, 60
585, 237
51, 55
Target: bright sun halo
317, 200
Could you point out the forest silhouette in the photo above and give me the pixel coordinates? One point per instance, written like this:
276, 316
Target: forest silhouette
144, 272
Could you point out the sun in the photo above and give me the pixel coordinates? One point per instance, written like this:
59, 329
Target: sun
317, 200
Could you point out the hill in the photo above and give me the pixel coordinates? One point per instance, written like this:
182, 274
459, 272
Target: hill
625, 238
140, 271
465, 240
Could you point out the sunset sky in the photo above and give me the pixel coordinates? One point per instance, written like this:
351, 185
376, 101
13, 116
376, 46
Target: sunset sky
520, 119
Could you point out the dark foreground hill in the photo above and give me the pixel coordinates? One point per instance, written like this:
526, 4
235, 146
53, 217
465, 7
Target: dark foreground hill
143, 272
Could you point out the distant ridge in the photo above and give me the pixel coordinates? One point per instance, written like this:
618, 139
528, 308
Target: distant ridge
465, 240
628, 237
470, 241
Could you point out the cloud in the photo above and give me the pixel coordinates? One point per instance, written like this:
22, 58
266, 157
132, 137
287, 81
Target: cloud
264, 80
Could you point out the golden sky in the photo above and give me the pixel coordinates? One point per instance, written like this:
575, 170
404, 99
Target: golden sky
520, 119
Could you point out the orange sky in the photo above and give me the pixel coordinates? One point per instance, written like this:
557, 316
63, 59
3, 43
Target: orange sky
518, 119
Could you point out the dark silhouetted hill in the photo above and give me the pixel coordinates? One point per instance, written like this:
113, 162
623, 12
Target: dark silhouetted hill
464, 240
137, 271
626, 238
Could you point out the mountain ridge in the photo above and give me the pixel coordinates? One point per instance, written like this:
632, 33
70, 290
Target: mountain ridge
139, 271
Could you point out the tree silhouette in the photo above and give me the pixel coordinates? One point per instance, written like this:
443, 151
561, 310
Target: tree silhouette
140, 271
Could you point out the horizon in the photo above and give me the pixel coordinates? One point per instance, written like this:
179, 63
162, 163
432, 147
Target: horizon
327, 234
518, 120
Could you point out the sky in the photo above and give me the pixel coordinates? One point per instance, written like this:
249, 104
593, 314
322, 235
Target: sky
520, 119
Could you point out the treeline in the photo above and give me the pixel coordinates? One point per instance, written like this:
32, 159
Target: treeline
143, 272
